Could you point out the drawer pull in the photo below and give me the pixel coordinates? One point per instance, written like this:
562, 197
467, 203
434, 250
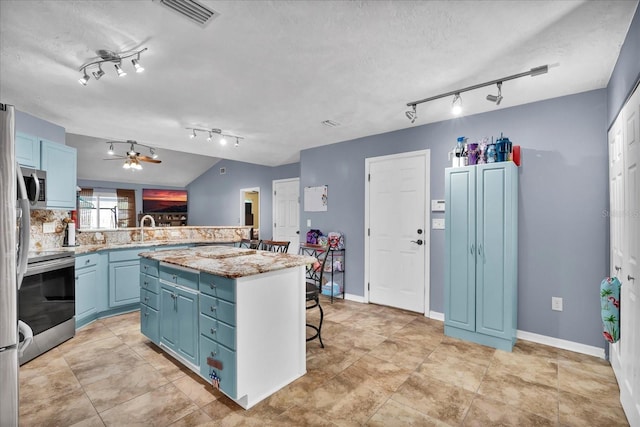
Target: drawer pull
212, 285
213, 353
146, 314
213, 308
87, 261
146, 298
146, 284
213, 330
145, 267
174, 277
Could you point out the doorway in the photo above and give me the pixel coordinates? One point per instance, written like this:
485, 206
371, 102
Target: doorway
396, 230
286, 212
250, 209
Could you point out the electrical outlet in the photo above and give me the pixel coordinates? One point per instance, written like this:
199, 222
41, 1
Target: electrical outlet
308, 223
556, 303
49, 227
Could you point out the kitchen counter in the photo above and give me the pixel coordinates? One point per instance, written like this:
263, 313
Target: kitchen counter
229, 262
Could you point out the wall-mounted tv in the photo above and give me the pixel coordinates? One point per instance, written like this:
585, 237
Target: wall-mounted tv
163, 200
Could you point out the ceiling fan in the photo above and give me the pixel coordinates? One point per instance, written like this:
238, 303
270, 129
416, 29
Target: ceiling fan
133, 157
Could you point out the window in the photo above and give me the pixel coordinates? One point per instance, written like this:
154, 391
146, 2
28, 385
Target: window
106, 208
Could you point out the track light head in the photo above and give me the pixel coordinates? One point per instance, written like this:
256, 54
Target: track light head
110, 152
121, 72
237, 144
85, 78
193, 134
456, 105
153, 153
136, 64
223, 141
412, 114
99, 73
496, 98
210, 137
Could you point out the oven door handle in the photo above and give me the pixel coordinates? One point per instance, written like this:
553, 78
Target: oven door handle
52, 265
25, 226
27, 333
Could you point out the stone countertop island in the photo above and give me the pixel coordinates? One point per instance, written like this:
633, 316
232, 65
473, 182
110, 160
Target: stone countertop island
234, 316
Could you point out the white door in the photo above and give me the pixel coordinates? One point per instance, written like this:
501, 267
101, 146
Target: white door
397, 245
630, 277
616, 206
286, 212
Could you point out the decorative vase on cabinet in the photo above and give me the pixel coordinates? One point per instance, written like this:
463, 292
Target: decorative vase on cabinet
481, 254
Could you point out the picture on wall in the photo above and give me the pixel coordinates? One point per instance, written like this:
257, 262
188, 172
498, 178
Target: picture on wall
316, 199
157, 200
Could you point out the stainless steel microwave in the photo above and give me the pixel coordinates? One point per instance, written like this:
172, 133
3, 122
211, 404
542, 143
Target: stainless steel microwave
35, 182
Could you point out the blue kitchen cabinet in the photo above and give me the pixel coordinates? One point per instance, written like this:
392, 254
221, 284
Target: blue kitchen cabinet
124, 277
27, 150
179, 312
90, 284
149, 300
60, 163
481, 248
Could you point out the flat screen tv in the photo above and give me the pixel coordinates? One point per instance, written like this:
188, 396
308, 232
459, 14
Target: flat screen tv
160, 201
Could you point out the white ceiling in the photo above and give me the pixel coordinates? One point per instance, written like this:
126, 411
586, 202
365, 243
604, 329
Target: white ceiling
272, 71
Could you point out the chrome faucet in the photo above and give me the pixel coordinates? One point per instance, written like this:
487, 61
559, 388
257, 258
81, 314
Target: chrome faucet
153, 225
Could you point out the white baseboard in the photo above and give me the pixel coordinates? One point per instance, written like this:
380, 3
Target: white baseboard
563, 344
435, 315
355, 298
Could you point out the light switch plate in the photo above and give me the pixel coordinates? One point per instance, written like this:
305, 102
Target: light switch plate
308, 223
556, 303
437, 223
437, 206
49, 227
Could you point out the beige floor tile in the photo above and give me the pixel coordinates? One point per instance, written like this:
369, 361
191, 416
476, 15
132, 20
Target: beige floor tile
130, 383
393, 413
196, 418
453, 370
435, 398
357, 405
419, 333
533, 397
161, 406
221, 408
104, 367
586, 383
580, 411
48, 384
299, 416
401, 353
463, 350
94, 421
486, 412
94, 350
57, 410
587, 363
376, 374
90, 333
535, 349
51, 361
197, 389
531, 368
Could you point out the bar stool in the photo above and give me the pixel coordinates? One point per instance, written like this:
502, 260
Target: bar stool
274, 246
314, 288
249, 244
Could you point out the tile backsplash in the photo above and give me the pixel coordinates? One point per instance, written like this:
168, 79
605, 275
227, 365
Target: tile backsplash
41, 240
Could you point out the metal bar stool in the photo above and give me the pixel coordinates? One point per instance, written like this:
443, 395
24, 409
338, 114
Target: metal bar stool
314, 288
274, 246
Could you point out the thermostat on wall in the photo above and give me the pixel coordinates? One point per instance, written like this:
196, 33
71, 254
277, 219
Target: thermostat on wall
437, 206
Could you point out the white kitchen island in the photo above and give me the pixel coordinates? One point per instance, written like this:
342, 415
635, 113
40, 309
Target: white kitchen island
238, 314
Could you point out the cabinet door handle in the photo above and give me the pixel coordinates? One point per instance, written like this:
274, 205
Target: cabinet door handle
472, 249
617, 268
145, 267
174, 277
87, 261
146, 314
146, 284
213, 308
212, 285
146, 298
213, 330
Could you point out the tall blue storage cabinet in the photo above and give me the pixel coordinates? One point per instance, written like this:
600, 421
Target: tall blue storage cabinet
481, 254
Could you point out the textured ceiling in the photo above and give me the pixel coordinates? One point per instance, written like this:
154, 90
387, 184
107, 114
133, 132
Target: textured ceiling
272, 71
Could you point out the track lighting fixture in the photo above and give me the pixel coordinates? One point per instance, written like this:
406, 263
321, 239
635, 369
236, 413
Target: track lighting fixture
494, 98
131, 151
412, 114
110, 152
210, 132
457, 100
84, 79
456, 105
116, 58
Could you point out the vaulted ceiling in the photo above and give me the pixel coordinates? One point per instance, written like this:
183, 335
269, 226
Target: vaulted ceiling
272, 71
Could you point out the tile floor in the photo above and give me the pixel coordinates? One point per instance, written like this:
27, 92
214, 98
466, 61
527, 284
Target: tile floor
380, 367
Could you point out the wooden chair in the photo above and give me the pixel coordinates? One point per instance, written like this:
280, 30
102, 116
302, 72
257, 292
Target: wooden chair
249, 244
274, 246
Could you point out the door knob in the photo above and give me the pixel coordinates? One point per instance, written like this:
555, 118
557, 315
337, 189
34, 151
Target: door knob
418, 242
419, 230
630, 278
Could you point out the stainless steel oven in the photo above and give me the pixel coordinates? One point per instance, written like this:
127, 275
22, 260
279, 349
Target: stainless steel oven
46, 300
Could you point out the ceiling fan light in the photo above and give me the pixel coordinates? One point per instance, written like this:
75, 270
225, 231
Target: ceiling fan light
126, 165
84, 79
136, 64
121, 72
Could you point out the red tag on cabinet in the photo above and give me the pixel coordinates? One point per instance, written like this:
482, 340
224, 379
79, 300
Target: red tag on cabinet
214, 363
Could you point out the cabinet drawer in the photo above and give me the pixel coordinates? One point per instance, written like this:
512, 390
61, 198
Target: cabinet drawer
227, 374
218, 331
178, 276
124, 254
149, 323
217, 286
149, 266
87, 260
218, 309
149, 298
150, 283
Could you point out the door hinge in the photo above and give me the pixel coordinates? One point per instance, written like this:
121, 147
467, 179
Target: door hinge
368, 286
368, 232
274, 192
274, 225
369, 177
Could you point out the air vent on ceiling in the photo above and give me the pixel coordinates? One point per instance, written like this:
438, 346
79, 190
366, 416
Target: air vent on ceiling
192, 10
330, 123
223, 171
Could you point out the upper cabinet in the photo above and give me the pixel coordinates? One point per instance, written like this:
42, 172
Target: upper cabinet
28, 150
60, 162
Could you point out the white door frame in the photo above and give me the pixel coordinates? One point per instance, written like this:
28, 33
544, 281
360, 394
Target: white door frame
241, 217
427, 222
273, 204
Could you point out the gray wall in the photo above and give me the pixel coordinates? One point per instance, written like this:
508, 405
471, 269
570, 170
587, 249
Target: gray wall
32, 125
126, 186
563, 243
214, 199
626, 72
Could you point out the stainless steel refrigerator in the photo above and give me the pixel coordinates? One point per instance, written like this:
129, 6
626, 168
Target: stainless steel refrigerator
14, 247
